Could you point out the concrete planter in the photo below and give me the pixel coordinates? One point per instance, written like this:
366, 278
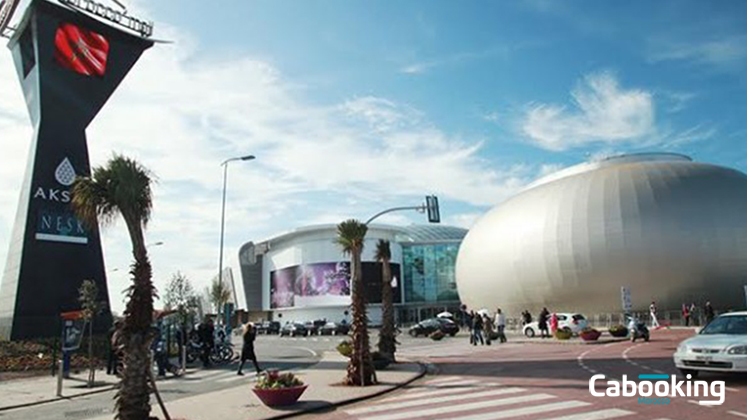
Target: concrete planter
278, 397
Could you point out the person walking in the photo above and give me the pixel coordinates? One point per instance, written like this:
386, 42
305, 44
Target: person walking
694, 317
553, 324
247, 350
112, 359
477, 328
487, 328
206, 332
527, 317
500, 325
470, 321
161, 352
542, 322
652, 310
686, 314
709, 313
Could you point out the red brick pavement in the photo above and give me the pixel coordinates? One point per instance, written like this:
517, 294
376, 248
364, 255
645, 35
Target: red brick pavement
529, 381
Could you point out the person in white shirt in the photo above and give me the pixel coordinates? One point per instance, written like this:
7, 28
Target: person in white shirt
652, 309
500, 324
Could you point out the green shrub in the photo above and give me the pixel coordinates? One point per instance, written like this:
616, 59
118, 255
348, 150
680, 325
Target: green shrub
345, 348
618, 331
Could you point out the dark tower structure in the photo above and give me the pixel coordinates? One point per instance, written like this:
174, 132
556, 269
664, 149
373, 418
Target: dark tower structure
69, 63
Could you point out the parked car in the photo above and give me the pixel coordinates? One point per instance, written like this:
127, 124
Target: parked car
721, 346
315, 327
334, 328
430, 325
268, 327
572, 321
294, 329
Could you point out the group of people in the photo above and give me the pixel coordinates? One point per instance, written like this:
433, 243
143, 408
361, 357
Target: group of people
483, 329
688, 312
204, 336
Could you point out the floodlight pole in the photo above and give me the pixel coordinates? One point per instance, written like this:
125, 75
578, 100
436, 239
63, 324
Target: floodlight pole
223, 223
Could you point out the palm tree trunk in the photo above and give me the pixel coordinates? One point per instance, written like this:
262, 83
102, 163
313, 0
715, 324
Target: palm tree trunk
360, 368
133, 398
387, 343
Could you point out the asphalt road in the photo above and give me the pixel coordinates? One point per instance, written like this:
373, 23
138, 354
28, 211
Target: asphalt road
530, 380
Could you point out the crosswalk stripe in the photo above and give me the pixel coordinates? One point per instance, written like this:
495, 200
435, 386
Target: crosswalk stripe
459, 407
428, 401
526, 410
597, 415
452, 388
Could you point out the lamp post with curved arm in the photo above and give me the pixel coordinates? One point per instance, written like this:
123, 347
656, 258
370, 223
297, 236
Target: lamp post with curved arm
223, 221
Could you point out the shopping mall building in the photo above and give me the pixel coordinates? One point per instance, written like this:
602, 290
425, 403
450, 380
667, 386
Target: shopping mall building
302, 275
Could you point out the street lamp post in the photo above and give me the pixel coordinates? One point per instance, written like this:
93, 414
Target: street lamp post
223, 221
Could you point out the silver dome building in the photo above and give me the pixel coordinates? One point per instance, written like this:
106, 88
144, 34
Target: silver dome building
670, 229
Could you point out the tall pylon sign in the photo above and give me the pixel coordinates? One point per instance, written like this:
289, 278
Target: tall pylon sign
70, 56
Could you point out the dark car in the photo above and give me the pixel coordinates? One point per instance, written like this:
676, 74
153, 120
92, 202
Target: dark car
268, 327
428, 326
293, 329
333, 328
315, 327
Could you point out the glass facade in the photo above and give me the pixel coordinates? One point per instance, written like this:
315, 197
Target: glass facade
429, 272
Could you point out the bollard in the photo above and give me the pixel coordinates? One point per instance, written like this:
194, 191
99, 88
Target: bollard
60, 373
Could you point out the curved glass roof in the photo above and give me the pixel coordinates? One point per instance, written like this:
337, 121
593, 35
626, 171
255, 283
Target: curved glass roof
430, 233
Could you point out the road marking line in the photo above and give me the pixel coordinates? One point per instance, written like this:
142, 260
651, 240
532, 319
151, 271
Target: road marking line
461, 407
699, 404
443, 379
527, 410
597, 415
732, 389
738, 414
428, 401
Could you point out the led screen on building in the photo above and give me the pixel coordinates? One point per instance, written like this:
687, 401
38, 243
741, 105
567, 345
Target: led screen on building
324, 284
81, 50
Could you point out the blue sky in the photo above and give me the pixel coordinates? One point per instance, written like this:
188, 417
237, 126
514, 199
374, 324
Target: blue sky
351, 106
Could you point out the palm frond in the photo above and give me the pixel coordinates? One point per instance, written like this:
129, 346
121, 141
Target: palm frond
350, 235
383, 251
121, 186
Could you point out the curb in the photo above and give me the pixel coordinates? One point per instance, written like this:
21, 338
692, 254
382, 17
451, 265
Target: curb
423, 371
40, 402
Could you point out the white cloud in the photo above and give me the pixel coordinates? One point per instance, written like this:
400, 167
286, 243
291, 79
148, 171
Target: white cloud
464, 220
182, 113
602, 111
724, 53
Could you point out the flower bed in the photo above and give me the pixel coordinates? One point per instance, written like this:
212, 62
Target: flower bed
437, 335
278, 389
563, 334
618, 331
590, 334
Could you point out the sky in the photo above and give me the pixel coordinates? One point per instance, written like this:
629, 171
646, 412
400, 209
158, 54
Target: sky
352, 107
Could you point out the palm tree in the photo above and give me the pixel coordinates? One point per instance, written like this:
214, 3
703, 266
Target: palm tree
123, 187
387, 342
219, 296
350, 236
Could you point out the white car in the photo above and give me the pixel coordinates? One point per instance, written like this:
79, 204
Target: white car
720, 346
575, 322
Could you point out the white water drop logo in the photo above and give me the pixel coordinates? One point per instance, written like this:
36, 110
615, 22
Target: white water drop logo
65, 173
